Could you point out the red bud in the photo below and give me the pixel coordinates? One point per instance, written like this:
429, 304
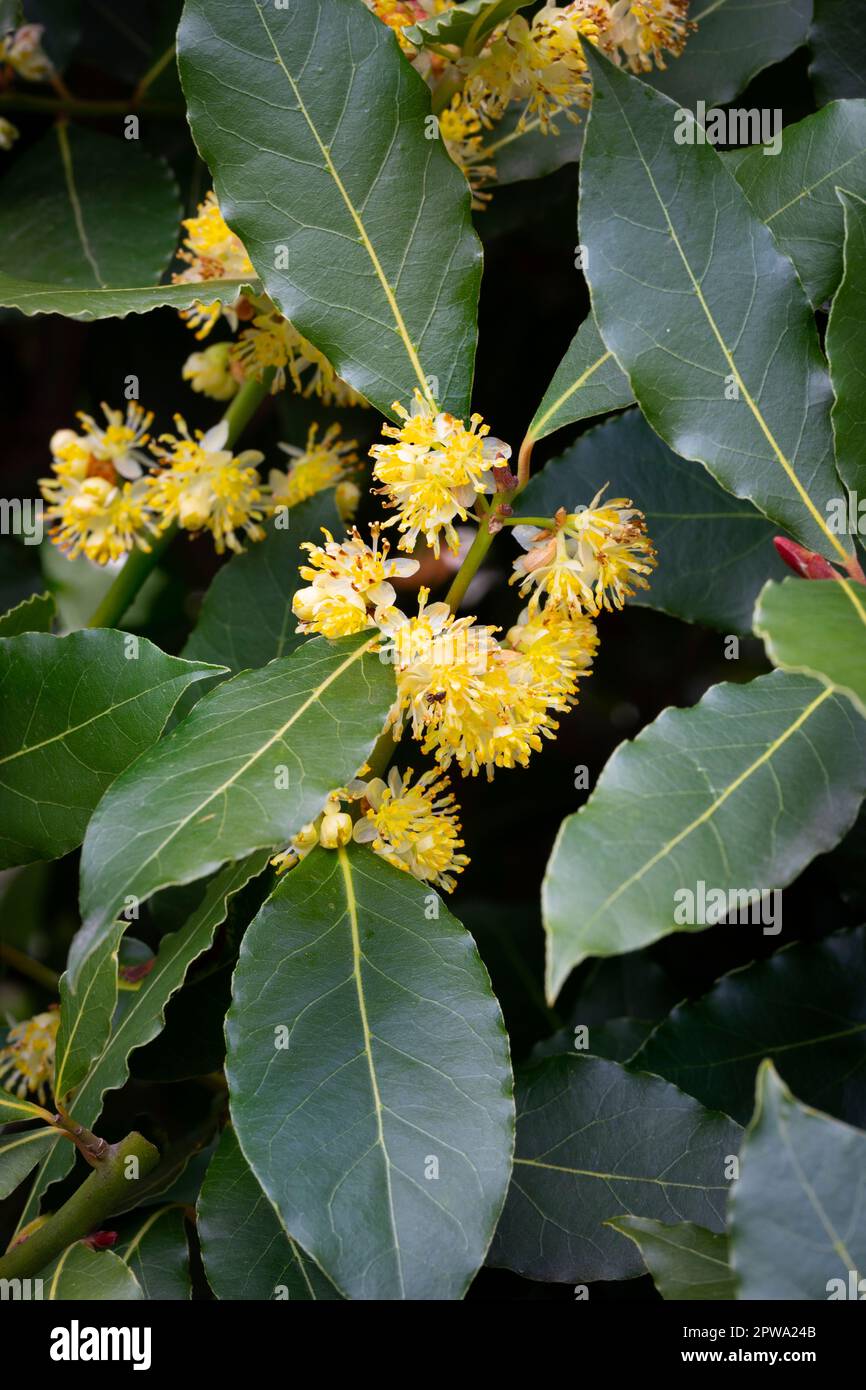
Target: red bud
807, 563
101, 1240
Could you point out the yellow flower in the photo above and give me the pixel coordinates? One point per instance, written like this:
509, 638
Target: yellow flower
205, 487
8, 134
211, 251
349, 584
273, 341
98, 501
324, 463
460, 127
555, 650
336, 826
434, 471
22, 50
642, 31
414, 827
539, 63
27, 1060
305, 840
464, 697
209, 372
399, 14
592, 558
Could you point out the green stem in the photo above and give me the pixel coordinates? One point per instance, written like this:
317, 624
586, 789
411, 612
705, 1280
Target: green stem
471, 563
25, 965
77, 106
153, 73
98, 1197
547, 523
141, 563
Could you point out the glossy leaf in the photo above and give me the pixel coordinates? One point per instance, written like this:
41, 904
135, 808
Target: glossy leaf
253, 761
715, 551
473, 18
587, 382
369, 1078
594, 1142
262, 581
79, 709
719, 344
142, 1014
815, 626
19, 1153
735, 40
797, 1221
245, 1251
687, 1262
114, 212
33, 614
846, 345
313, 125
33, 297
85, 1015
85, 1275
805, 1008
794, 191
13, 1108
154, 1249
838, 43
738, 794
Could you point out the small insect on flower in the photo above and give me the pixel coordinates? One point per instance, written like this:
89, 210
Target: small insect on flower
98, 500
415, 827
204, 486
349, 584
27, 1060
322, 464
434, 471
592, 558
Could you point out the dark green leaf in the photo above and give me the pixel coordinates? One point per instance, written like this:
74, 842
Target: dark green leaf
85, 1015
21, 1152
587, 382
816, 627
141, 1015
33, 614
737, 795
473, 17
46, 298
369, 1078
154, 1249
82, 1274
313, 125
715, 333
797, 1221
262, 581
593, 1142
735, 40
114, 213
714, 550
846, 345
79, 709
686, 1261
253, 761
837, 39
805, 1008
246, 1252
794, 192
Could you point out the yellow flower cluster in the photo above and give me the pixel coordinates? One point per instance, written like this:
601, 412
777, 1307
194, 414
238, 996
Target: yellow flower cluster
27, 1059
106, 495
587, 560
350, 587
212, 251
433, 470
534, 65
